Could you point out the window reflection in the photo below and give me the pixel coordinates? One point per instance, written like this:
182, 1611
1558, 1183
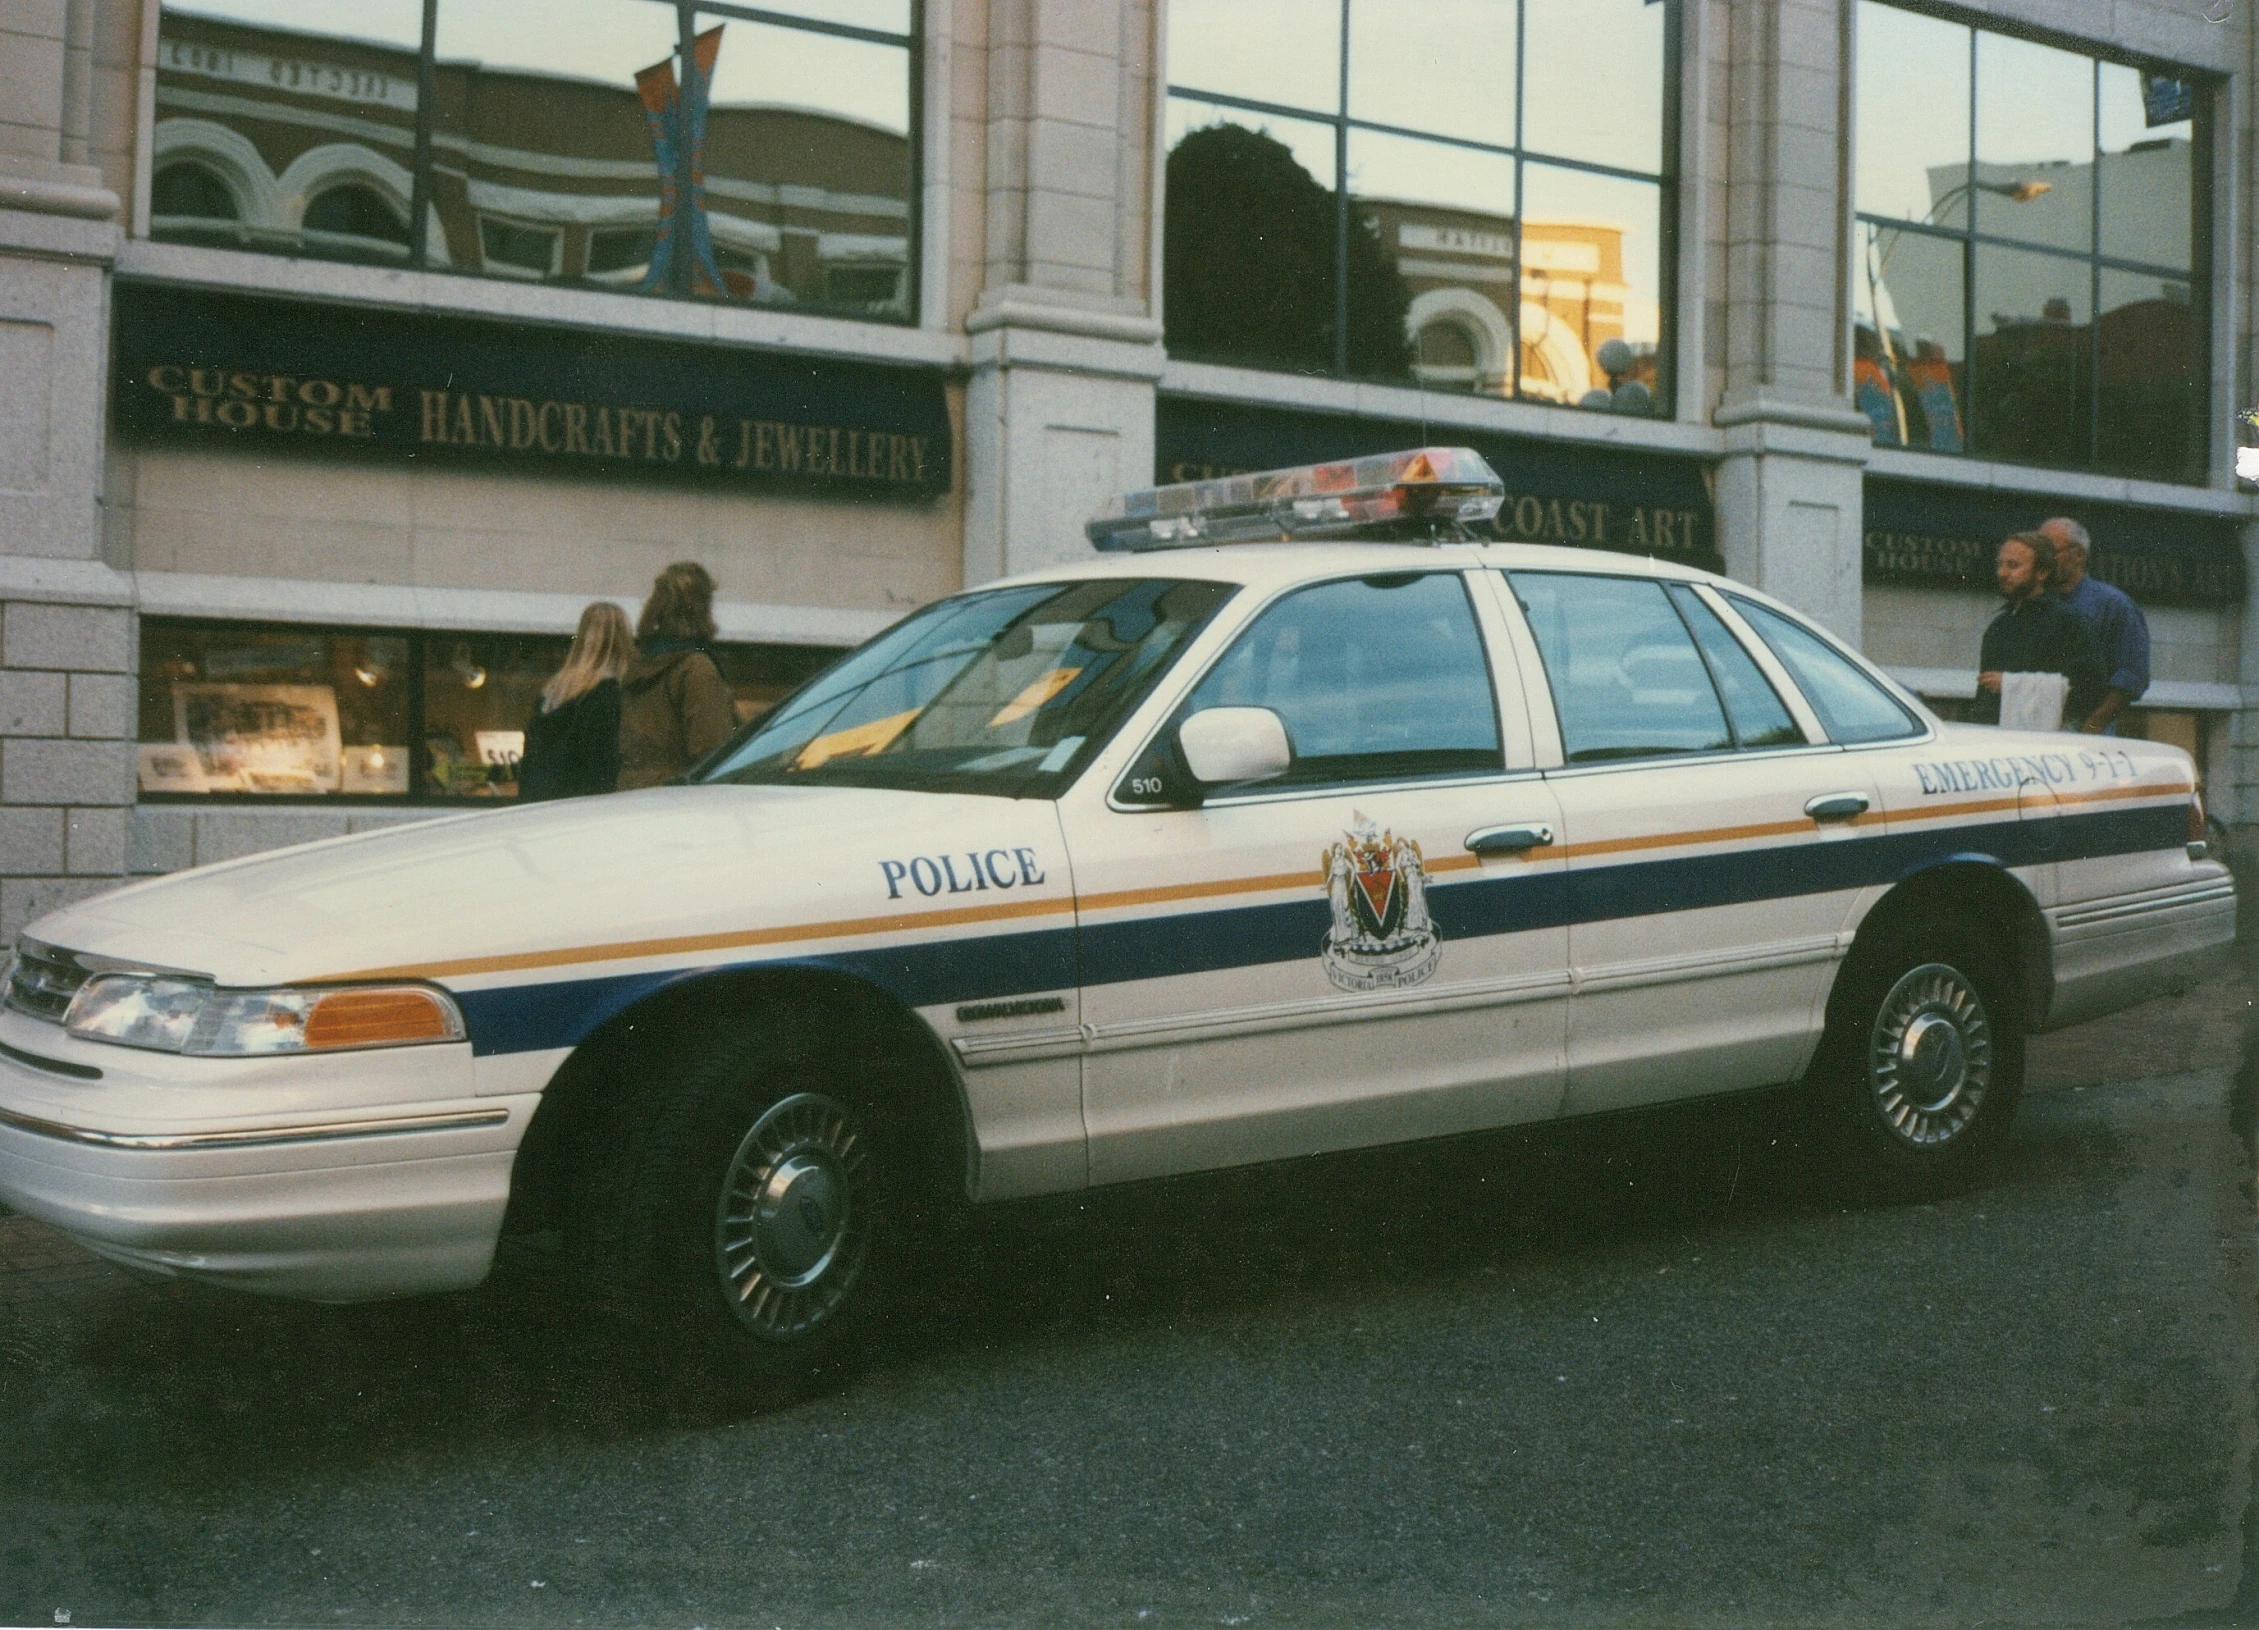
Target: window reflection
1442, 66
1286, 52
2144, 172
1443, 219
1967, 337
539, 140
554, 148
2148, 413
2033, 179
1591, 311
1468, 266
1594, 85
1248, 252
288, 127
1907, 369
2028, 365
1913, 115
808, 169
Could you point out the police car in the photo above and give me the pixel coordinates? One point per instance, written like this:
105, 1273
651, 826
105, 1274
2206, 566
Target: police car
1246, 838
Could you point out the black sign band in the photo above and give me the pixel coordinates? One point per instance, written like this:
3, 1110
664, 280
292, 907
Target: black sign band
1949, 536
1556, 492
221, 368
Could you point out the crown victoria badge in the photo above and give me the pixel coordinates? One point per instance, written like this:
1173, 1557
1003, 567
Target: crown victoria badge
1381, 937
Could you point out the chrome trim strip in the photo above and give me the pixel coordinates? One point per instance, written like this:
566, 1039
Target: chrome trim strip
1170, 1029
1707, 964
247, 1137
2115, 910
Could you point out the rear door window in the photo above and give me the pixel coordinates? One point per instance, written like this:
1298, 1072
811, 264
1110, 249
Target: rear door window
1852, 706
1628, 680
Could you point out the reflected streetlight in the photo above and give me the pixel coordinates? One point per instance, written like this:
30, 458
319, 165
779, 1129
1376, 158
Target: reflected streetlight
2022, 190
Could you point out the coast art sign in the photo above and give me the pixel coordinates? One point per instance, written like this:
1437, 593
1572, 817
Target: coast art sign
283, 375
1584, 497
1949, 536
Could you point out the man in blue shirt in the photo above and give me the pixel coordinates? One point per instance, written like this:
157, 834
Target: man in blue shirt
2119, 627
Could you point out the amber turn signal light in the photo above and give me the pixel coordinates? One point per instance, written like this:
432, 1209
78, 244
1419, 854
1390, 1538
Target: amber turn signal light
377, 1018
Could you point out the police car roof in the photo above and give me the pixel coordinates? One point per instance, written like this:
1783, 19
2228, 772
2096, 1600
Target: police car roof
1275, 565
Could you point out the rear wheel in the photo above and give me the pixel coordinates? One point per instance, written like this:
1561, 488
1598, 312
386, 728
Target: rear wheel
1923, 1063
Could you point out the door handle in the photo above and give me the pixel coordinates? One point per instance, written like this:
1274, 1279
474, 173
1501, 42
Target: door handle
1837, 806
1508, 840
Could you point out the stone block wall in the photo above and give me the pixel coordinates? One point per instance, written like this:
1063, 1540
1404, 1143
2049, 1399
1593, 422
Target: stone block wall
66, 753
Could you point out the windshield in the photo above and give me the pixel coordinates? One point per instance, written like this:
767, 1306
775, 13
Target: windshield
1004, 692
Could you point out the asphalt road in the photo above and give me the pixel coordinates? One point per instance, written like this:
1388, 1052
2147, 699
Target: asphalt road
1665, 1371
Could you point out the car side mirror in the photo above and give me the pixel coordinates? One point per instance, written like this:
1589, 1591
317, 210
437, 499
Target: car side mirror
1223, 745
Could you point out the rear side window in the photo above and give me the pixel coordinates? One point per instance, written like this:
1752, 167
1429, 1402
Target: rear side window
1851, 706
1376, 678
1627, 678
1752, 707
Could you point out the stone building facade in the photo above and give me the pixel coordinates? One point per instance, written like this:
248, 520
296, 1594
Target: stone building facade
956, 257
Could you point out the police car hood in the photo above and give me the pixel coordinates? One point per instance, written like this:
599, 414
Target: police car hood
561, 878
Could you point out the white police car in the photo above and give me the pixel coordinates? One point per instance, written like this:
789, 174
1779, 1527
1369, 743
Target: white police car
1184, 857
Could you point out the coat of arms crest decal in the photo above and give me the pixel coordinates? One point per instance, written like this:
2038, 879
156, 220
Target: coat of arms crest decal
1381, 937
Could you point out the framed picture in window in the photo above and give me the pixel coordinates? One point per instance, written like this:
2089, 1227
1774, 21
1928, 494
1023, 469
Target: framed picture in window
261, 738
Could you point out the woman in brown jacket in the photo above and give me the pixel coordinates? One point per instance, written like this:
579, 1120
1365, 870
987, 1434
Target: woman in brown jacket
675, 707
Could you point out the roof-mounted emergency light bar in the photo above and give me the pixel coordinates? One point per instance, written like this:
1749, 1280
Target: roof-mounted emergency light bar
1417, 495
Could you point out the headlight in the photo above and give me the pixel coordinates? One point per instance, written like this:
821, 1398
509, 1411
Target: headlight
187, 1016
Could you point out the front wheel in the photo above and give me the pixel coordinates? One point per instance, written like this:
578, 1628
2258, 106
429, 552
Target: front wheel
1924, 1058
744, 1212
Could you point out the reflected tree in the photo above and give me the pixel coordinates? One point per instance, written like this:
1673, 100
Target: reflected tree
1248, 268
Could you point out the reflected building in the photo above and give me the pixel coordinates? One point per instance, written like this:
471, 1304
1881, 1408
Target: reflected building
277, 140
1488, 296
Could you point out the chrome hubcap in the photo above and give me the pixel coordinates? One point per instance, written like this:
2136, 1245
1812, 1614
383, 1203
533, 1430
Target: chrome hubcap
792, 1228
1930, 1058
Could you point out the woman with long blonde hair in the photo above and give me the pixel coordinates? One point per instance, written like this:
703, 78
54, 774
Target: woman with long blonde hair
573, 738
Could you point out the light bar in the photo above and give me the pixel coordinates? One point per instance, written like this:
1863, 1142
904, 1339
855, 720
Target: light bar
1411, 494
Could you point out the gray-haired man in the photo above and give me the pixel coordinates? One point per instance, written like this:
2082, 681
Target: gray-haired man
2119, 627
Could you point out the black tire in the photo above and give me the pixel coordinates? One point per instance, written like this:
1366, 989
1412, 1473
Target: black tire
1923, 1062
741, 1209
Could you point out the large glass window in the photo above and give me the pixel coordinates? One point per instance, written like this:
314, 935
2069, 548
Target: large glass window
277, 711
1473, 195
545, 141
2030, 225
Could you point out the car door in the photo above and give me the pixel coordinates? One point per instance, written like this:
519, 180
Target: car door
1322, 961
1705, 828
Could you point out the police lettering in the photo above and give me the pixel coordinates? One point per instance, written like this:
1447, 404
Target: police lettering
969, 871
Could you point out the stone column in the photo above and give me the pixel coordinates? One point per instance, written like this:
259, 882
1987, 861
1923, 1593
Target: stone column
1066, 330
1789, 500
66, 629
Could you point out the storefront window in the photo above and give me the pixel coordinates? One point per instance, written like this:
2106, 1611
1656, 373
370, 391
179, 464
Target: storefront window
267, 711
1471, 195
550, 142
2029, 221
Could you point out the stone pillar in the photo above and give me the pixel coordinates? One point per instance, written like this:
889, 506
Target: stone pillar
1789, 499
66, 627
1066, 331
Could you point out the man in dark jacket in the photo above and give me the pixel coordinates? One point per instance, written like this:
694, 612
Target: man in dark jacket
2035, 632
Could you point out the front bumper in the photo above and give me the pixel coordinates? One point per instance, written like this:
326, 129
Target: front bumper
340, 1178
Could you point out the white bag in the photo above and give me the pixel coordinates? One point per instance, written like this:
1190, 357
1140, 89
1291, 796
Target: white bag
2033, 701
